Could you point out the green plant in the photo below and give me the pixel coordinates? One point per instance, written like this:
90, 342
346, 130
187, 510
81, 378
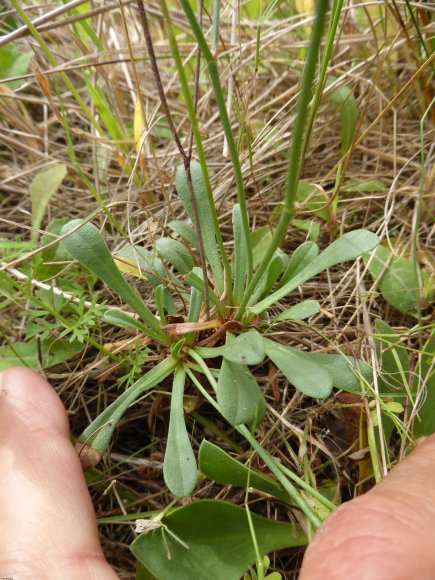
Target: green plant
228, 314
226, 308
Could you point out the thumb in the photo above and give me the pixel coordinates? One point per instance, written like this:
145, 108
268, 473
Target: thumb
389, 533
48, 526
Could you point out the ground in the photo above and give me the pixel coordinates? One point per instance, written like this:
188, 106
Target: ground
373, 128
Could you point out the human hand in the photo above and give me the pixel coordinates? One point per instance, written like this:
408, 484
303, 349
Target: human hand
386, 534
49, 528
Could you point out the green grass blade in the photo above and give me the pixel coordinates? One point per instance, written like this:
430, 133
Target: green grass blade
296, 150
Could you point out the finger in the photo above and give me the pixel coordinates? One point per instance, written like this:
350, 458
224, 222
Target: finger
48, 526
389, 533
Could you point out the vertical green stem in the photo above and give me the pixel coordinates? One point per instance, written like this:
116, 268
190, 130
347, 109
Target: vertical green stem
271, 464
295, 156
336, 11
226, 124
215, 29
196, 132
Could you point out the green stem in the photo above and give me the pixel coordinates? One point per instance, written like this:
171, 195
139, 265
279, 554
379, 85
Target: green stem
264, 455
204, 368
373, 450
226, 124
195, 130
307, 487
215, 29
260, 565
295, 157
336, 12
272, 465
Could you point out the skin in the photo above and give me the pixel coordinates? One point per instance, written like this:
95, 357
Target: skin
48, 528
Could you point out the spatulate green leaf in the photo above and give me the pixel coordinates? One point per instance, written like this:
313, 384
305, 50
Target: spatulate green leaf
300, 258
185, 231
204, 213
259, 240
306, 376
179, 468
238, 393
100, 431
219, 540
176, 253
123, 320
196, 299
344, 370
87, 245
247, 348
218, 465
299, 311
398, 279
270, 276
348, 247
240, 255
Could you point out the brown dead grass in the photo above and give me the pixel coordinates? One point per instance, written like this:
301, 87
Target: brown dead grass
31, 137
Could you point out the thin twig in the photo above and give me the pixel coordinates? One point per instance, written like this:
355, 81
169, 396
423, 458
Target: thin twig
197, 73
157, 78
185, 155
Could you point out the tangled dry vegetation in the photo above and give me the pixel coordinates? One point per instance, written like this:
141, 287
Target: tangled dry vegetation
380, 66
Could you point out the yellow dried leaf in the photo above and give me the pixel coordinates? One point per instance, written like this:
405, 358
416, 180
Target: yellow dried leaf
129, 266
138, 123
180, 328
305, 6
44, 83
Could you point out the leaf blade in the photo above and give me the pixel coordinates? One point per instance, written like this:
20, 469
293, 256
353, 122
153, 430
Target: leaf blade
219, 466
179, 466
87, 245
227, 554
309, 378
238, 393
44, 185
348, 247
